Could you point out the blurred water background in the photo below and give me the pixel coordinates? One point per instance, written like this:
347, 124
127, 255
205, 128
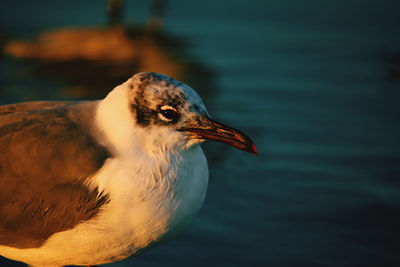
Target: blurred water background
316, 84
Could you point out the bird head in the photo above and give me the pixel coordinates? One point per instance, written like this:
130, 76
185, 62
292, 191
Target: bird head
169, 114
177, 112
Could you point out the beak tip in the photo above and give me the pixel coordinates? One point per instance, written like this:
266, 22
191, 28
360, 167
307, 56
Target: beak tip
254, 152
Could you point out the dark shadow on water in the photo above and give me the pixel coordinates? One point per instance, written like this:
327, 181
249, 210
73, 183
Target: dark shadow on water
10, 263
392, 61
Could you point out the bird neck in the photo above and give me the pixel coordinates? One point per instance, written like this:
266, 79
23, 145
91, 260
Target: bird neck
115, 120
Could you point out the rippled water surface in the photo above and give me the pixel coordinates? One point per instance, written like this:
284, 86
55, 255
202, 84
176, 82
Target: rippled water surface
316, 84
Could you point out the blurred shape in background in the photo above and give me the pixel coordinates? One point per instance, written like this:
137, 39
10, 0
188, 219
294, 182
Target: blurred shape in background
92, 61
114, 10
155, 22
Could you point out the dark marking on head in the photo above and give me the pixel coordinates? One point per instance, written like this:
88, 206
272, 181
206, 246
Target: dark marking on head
146, 97
198, 120
144, 115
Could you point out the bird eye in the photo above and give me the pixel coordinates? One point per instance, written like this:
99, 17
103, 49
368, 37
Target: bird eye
168, 113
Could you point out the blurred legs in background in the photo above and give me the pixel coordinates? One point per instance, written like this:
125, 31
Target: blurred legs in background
157, 13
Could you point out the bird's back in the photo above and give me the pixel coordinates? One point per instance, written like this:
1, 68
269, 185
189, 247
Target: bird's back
42, 170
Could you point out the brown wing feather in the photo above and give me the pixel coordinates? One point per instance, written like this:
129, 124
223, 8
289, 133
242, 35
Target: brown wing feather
34, 105
46, 153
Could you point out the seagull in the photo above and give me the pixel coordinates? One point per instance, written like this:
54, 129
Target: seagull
94, 182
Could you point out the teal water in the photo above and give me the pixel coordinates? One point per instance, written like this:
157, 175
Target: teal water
315, 84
